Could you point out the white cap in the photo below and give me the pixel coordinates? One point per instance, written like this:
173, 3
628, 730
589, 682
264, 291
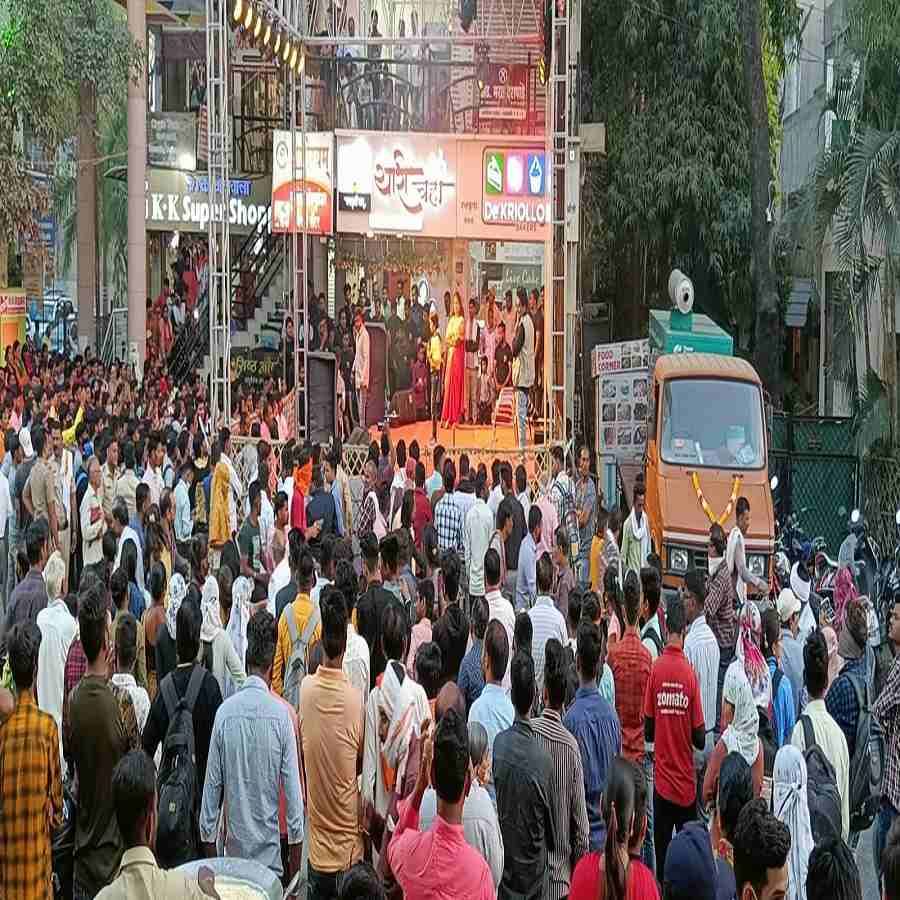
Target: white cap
788, 604
799, 585
25, 443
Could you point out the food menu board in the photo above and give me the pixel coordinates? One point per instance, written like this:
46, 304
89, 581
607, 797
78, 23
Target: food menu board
620, 357
622, 377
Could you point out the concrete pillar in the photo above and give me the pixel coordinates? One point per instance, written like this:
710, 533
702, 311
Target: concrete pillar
137, 176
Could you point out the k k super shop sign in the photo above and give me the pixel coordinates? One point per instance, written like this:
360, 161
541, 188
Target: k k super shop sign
179, 201
443, 186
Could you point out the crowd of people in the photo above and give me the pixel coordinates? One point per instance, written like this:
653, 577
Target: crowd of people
452, 360
457, 687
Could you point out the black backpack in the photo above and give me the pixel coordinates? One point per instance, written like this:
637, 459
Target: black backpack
178, 787
865, 783
822, 795
767, 739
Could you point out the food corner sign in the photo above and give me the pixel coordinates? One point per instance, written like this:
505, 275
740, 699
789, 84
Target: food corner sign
180, 201
304, 183
441, 185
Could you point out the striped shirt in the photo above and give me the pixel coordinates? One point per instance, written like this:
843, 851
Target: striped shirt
547, 622
567, 795
702, 651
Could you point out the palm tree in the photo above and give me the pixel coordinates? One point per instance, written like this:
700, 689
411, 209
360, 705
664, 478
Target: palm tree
852, 198
112, 204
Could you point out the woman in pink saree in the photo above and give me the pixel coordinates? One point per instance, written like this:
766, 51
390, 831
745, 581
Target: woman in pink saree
454, 385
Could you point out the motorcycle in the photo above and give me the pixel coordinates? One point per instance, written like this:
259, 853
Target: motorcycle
860, 551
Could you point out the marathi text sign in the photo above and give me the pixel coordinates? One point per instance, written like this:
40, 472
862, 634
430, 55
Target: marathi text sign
180, 201
172, 140
303, 185
254, 367
397, 183
504, 93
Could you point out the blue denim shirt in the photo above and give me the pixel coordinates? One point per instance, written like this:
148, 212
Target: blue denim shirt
494, 710
783, 707
595, 725
252, 753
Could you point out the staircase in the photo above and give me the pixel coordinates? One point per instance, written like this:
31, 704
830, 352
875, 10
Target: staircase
255, 316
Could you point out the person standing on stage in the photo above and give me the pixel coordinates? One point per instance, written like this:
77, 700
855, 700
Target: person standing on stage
454, 376
473, 348
435, 368
361, 367
523, 363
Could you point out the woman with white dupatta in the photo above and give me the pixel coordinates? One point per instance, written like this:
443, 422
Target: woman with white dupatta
790, 805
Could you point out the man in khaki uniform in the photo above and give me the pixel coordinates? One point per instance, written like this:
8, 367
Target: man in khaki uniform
39, 495
112, 471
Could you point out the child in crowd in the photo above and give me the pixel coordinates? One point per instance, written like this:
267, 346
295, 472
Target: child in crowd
597, 550
486, 395
421, 631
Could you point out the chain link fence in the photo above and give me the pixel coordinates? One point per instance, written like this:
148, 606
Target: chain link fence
881, 493
818, 473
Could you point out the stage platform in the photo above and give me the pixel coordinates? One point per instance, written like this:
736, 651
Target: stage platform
462, 437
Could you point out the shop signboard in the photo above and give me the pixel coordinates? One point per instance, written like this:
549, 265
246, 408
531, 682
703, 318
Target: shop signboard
253, 367
295, 180
622, 376
12, 319
172, 140
393, 183
504, 92
505, 191
180, 201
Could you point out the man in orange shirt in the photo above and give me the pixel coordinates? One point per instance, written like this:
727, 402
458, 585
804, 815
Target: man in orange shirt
332, 730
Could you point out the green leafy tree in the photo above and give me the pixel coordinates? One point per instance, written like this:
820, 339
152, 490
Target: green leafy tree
852, 199
53, 54
667, 78
112, 208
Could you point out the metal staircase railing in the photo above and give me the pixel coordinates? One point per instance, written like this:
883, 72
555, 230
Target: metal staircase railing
260, 257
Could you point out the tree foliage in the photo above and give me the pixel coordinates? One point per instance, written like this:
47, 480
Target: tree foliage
852, 199
48, 49
112, 205
666, 78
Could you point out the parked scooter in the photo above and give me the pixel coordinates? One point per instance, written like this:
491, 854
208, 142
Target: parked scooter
860, 551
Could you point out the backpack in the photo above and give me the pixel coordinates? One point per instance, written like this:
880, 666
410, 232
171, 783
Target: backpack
822, 795
296, 667
865, 781
653, 634
568, 519
767, 739
178, 786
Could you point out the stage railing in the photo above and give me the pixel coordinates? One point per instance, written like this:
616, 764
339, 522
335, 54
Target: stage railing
536, 460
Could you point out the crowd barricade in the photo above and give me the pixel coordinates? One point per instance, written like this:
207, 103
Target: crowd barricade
536, 460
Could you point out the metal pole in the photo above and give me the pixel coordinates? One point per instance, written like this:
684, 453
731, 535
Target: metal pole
305, 260
137, 176
295, 286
